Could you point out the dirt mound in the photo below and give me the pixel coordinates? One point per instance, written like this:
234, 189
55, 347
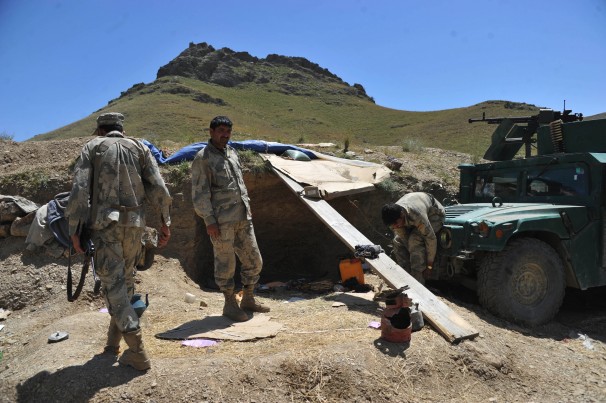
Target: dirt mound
325, 352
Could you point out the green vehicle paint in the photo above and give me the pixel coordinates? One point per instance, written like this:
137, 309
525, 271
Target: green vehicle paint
526, 227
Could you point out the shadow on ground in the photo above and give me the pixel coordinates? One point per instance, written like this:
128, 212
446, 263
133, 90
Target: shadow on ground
77, 383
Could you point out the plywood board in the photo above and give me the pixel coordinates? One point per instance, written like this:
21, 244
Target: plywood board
441, 317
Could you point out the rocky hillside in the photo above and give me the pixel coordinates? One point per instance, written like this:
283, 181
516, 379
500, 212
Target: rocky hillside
228, 68
284, 99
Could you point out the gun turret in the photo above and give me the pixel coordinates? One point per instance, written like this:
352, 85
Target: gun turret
511, 134
496, 121
545, 116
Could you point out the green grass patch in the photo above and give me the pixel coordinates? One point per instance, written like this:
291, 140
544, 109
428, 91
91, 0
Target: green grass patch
252, 162
291, 110
412, 146
26, 180
4, 136
178, 174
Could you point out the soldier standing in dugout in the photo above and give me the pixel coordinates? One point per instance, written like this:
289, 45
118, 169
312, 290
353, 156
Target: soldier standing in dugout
415, 220
220, 197
113, 177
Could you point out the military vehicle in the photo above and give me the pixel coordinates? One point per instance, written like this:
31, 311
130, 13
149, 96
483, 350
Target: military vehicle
528, 226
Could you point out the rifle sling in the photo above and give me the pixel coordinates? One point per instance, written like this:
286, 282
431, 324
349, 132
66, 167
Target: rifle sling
71, 297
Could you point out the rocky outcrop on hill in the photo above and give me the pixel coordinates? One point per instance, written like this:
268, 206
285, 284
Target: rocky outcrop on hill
228, 68
170, 86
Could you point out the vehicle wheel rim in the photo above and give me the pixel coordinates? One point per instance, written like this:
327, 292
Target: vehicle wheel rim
529, 284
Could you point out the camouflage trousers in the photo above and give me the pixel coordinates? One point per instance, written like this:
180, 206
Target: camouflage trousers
410, 251
118, 249
236, 239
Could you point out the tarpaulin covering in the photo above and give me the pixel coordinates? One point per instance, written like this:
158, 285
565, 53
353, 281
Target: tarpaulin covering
334, 176
188, 153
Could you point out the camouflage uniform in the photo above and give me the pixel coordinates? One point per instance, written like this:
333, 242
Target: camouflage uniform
220, 197
415, 243
113, 176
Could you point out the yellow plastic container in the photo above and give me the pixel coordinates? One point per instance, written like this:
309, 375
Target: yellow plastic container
351, 268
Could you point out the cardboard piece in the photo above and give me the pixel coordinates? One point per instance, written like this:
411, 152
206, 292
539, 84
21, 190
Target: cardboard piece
333, 177
221, 328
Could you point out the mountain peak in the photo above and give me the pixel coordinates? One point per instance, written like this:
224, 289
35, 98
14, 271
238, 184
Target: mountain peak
229, 68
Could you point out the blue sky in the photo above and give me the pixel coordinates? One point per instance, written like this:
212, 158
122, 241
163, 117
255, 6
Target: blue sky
61, 60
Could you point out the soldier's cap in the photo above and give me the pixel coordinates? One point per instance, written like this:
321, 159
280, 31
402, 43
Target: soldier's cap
110, 119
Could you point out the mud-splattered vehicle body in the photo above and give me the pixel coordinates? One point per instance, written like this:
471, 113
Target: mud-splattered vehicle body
524, 229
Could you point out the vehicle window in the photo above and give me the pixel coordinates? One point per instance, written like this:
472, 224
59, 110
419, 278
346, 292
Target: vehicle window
566, 181
498, 185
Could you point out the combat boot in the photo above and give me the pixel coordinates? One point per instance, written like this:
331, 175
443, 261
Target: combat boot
135, 355
114, 335
248, 300
231, 308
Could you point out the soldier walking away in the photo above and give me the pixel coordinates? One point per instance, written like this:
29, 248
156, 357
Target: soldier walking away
221, 199
415, 220
113, 177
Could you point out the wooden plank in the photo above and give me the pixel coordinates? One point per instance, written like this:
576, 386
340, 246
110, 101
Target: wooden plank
447, 322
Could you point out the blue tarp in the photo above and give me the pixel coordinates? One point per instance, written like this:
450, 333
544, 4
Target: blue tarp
188, 153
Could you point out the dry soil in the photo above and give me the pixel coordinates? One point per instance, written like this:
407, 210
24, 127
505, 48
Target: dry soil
322, 354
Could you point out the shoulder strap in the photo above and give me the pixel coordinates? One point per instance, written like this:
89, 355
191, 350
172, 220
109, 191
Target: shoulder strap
71, 297
89, 261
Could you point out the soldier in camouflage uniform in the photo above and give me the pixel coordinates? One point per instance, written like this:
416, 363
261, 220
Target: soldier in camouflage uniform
221, 199
415, 220
113, 177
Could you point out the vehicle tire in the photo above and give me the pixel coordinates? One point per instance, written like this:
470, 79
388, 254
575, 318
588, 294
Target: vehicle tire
524, 283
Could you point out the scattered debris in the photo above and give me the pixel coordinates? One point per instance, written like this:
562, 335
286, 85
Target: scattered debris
294, 299
587, 342
320, 286
416, 316
356, 298
57, 337
368, 251
393, 164
339, 288
320, 145
4, 313
199, 343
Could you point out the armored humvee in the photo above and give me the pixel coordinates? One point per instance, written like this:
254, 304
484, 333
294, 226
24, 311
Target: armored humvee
525, 228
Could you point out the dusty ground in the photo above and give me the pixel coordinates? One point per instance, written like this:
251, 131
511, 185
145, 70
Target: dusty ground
322, 354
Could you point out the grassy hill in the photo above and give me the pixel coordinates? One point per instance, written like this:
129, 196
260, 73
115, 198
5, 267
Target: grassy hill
289, 100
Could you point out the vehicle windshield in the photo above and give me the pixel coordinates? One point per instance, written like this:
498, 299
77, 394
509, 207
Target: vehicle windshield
569, 180
566, 181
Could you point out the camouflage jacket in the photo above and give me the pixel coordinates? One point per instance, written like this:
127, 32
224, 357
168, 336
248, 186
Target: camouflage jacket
218, 191
422, 210
113, 177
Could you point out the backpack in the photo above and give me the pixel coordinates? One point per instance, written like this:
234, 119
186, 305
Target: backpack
56, 220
